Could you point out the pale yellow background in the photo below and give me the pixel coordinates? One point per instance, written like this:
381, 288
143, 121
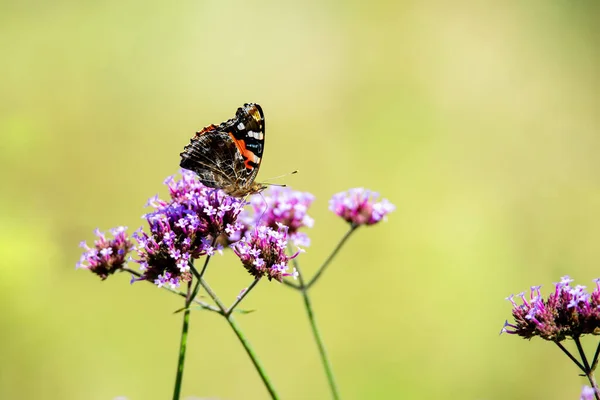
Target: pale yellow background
480, 120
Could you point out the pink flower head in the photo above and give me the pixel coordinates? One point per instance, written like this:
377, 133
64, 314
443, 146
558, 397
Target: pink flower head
282, 205
107, 255
567, 312
263, 253
359, 206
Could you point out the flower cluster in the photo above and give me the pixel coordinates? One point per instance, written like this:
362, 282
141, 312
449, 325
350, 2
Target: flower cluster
568, 312
263, 253
107, 255
359, 206
198, 221
184, 229
282, 205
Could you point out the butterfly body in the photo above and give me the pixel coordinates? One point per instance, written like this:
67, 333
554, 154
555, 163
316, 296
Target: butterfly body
227, 156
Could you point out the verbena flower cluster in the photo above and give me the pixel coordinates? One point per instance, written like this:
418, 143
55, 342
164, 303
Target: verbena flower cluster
359, 206
198, 221
282, 205
107, 255
263, 253
184, 229
567, 312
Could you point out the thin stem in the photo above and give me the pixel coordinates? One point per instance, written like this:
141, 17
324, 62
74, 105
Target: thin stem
291, 284
330, 258
576, 361
182, 349
315, 330
257, 365
595, 361
213, 296
198, 277
321, 346
236, 329
240, 298
191, 298
177, 292
589, 372
582, 354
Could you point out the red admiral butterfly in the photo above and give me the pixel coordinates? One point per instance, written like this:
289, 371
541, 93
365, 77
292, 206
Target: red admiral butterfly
228, 156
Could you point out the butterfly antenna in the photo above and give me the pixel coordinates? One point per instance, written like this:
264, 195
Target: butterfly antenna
264, 211
279, 177
274, 184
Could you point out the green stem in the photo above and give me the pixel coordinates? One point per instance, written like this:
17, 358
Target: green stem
582, 354
242, 338
240, 298
177, 292
198, 277
257, 365
182, 349
330, 258
589, 372
595, 361
315, 330
303, 288
576, 361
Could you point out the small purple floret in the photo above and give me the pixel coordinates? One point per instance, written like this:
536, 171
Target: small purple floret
359, 206
587, 393
107, 255
263, 253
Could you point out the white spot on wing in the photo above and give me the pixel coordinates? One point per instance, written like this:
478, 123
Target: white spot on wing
241, 126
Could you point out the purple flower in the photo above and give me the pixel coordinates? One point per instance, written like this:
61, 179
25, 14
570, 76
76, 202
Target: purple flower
282, 205
233, 233
184, 229
587, 393
359, 206
263, 252
107, 255
567, 312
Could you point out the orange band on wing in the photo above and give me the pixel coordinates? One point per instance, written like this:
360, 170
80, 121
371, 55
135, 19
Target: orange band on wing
209, 128
248, 155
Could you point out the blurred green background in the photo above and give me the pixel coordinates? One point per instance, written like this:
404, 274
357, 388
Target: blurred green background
479, 120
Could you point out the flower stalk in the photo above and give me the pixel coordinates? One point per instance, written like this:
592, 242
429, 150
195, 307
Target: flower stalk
588, 370
318, 339
357, 207
182, 346
303, 288
242, 338
331, 257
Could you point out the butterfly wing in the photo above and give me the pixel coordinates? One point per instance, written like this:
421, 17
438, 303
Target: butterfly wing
228, 156
213, 156
248, 134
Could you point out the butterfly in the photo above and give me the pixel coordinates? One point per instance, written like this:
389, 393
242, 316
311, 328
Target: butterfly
228, 156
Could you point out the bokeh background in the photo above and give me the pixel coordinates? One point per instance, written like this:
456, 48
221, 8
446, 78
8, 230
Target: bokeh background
479, 120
